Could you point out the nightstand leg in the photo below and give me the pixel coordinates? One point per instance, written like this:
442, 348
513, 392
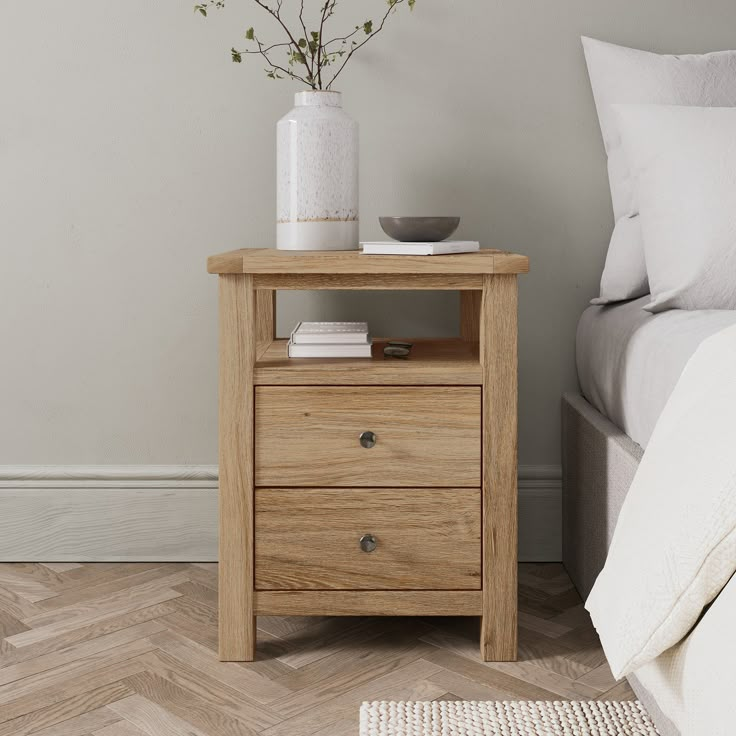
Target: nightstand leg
498, 350
237, 624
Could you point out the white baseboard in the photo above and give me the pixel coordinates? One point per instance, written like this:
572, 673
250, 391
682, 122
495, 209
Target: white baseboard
128, 513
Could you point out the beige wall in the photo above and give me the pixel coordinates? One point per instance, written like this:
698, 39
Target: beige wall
131, 147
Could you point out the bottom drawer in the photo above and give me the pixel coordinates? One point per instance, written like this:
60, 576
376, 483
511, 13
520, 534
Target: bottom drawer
369, 539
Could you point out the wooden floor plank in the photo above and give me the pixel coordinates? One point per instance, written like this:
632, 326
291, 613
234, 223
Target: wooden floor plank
101, 664
107, 601
23, 583
10, 625
620, 691
198, 686
48, 710
121, 728
89, 721
84, 650
130, 649
213, 715
411, 681
373, 666
86, 632
154, 720
91, 614
191, 654
16, 606
60, 566
463, 688
77, 596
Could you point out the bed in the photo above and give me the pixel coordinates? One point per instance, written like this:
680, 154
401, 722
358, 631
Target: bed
649, 468
629, 362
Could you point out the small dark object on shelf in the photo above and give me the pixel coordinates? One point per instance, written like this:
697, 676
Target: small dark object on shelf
397, 349
400, 344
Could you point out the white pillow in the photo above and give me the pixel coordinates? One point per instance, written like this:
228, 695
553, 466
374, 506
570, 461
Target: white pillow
619, 75
683, 163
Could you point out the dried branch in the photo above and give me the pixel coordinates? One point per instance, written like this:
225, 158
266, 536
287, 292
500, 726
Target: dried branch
300, 55
309, 50
320, 47
275, 67
392, 6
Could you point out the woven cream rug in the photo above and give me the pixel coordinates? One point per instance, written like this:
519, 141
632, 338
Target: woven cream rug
507, 718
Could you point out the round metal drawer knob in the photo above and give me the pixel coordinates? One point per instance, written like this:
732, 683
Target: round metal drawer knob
368, 543
368, 440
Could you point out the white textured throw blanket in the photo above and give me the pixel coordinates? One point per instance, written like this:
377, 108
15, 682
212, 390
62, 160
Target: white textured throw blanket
674, 548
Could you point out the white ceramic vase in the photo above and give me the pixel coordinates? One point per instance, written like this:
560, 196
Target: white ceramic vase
317, 175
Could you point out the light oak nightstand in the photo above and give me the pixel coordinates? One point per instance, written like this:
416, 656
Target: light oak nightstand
374, 486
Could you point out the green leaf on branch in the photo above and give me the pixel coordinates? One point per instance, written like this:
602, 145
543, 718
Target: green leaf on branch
250, 34
302, 43
412, 3
296, 57
201, 9
237, 56
368, 27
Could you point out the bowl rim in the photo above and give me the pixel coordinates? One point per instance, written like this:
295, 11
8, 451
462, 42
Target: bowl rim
418, 217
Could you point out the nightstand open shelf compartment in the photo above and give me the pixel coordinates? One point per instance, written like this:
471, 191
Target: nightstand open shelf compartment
374, 486
438, 361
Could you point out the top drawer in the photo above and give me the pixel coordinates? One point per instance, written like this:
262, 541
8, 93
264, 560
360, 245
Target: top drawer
311, 436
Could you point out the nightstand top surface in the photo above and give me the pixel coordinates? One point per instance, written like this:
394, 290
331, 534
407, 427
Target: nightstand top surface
272, 261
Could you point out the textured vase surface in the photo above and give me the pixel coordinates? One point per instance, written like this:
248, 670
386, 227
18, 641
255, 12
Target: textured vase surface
317, 175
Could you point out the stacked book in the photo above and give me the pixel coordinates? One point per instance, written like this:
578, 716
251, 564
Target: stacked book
395, 248
330, 340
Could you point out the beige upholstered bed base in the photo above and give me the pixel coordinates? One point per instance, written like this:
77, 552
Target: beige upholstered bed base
598, 465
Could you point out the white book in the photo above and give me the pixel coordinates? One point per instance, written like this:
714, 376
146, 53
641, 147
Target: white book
321, 333
444, 247
330, 351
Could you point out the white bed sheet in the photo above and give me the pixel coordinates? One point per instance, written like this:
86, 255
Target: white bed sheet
693, 682
629, 360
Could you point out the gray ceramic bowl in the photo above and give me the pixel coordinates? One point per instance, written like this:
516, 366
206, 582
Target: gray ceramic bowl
419, 229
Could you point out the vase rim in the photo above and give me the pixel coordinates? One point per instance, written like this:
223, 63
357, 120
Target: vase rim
318, 97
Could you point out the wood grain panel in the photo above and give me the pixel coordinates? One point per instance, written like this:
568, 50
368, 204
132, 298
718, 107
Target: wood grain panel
237, 358
378, 603
500, 524
470, 315
270, 260
309, 436
368, 282
265, 319
309, 538
435, 362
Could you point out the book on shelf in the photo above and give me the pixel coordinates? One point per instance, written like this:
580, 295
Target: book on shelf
395, 248
321, 333
330, 340
330, 351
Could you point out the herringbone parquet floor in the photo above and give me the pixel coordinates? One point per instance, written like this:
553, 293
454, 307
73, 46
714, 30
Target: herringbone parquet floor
130, 650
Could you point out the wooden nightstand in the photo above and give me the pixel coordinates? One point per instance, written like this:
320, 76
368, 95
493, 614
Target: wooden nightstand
421, 523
